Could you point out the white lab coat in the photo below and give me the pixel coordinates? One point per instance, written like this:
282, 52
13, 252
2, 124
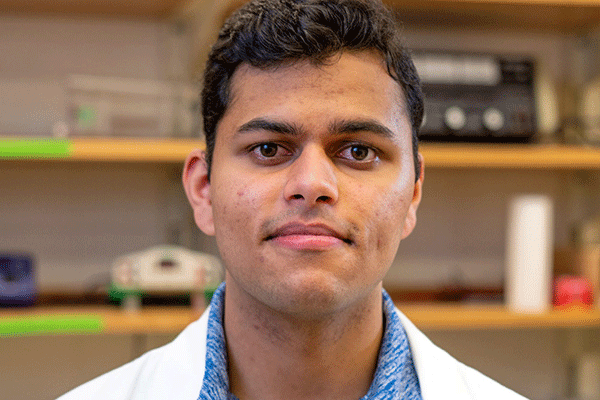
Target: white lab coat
175, 371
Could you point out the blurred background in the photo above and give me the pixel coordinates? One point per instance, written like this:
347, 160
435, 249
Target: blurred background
98, 109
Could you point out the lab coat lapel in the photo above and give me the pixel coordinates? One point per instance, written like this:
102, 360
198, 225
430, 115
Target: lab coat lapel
440, 375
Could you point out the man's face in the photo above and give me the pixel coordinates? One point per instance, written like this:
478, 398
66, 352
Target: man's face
312, 184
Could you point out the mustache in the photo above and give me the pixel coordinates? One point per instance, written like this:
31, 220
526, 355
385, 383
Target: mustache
348, 230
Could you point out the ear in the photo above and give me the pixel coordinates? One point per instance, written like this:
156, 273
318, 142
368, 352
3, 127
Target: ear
197, 189
411, 216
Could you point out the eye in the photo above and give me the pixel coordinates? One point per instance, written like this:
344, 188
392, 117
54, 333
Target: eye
358, 152
267, 149
269, 153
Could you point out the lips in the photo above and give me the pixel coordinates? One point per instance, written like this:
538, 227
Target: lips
307, 236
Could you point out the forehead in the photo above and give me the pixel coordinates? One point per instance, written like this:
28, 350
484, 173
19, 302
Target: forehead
359, 79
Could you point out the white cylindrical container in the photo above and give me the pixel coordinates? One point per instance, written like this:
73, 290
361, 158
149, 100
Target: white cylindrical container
588, 377
529, 254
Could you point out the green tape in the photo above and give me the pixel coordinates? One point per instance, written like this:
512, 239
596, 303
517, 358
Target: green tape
47, 325
35, 148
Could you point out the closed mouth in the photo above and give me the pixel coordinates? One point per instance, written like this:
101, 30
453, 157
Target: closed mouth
300, 229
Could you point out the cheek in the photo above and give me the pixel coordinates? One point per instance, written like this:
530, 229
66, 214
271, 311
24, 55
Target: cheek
231, 207
387, 212
237, 204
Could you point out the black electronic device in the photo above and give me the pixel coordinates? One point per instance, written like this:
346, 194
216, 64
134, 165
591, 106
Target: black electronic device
476, 97
17, 281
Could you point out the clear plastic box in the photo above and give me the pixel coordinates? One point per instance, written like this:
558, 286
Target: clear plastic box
119, 107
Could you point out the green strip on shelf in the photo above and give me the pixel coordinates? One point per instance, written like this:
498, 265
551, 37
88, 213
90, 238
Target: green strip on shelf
35, 148
48, 325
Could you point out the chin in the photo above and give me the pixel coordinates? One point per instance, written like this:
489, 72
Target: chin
312, 295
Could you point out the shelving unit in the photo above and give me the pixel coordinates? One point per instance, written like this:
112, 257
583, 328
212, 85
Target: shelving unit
425, 316
550, 15
101, 157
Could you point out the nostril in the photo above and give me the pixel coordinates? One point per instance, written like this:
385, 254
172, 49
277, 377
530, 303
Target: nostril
297, 197
324, 199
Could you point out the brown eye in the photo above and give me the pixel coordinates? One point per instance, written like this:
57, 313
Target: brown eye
268, 149
269, 153
359, 155
359, 152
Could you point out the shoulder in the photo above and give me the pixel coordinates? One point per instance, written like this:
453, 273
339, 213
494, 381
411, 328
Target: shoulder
443, 377
172, 371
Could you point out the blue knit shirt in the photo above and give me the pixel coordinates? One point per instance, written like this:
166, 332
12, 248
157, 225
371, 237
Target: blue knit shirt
395, 376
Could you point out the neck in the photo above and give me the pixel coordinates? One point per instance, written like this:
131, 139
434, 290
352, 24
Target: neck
274, 356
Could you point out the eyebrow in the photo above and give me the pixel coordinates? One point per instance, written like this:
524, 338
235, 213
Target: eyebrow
337, 127
361, 125
262, 124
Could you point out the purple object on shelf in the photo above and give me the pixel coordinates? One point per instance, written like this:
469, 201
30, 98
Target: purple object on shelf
17, 282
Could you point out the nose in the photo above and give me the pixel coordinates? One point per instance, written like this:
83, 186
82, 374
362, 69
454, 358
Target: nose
312, 178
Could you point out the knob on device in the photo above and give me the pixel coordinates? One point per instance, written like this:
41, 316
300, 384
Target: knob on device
493, 119
455, 118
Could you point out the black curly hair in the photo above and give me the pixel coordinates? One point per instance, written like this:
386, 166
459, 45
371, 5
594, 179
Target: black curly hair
268, 33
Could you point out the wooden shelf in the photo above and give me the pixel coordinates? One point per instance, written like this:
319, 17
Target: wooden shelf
474, 317
553, 157
63, 320
97, 149
149, 9
573, 16
570, 16
171, 320
160, 151
502, 156
551, 15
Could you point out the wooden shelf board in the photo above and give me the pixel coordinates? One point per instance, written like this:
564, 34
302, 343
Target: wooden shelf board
429, 317
151, 9
151, 320
540, 15
435, 155
501, 156
469, 317
510, 156
167, 150
574, 16
99, 150
113, 320
161, 7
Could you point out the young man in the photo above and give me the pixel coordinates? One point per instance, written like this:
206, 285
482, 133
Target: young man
310, 180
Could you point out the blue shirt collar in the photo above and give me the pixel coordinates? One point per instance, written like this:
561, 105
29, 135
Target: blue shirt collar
395, 375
